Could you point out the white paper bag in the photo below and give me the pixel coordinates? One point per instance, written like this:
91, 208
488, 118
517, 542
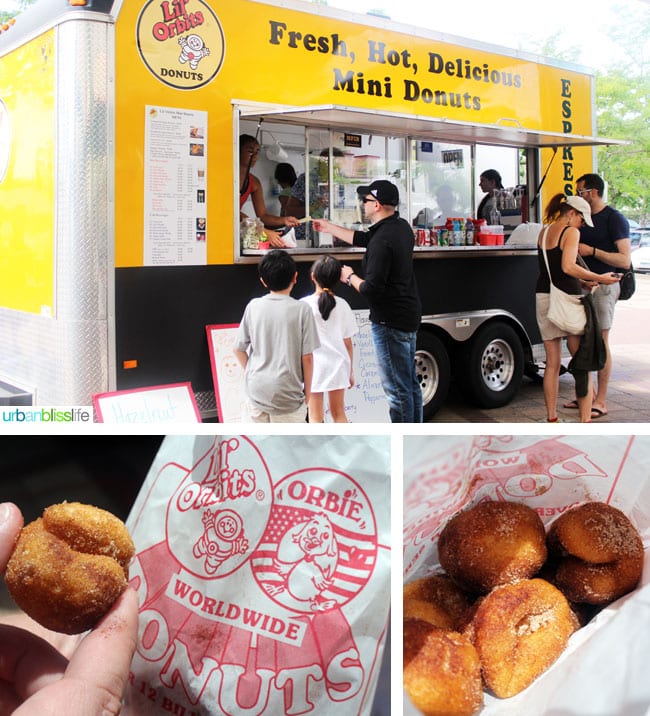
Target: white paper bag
603, 671
263, 574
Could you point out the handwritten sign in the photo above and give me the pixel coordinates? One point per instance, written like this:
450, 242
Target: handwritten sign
364, 403
227, 374
174, 403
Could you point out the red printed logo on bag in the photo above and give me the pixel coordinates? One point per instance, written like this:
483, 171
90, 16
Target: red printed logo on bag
209, 539
320, 545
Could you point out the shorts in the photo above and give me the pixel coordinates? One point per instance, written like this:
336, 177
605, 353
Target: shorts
605, 298
256, 415
547, 328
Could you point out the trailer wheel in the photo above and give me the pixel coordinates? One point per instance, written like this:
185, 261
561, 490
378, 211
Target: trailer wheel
493, 366
433, 371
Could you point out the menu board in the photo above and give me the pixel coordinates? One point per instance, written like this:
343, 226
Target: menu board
365, 402
175, 181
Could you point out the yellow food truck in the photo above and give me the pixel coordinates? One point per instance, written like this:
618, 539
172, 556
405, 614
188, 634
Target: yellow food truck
120, 230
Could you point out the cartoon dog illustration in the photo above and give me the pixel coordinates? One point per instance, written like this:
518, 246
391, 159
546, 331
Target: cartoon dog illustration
306, 559
223, 537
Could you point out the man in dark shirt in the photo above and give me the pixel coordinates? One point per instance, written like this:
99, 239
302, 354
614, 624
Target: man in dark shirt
605, 247
389, 286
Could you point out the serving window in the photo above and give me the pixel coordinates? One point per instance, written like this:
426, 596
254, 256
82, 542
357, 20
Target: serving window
436, 179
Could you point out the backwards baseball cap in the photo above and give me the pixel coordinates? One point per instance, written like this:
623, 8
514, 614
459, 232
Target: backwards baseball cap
579, 204
384, 191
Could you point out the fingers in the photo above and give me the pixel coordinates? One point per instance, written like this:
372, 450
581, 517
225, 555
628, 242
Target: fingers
11, 522
102, 661
95, 678
28, 662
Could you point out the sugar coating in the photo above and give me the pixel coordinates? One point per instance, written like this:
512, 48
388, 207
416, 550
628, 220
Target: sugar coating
69, 566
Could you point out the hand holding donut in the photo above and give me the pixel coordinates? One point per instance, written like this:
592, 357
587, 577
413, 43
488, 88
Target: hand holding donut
39, 679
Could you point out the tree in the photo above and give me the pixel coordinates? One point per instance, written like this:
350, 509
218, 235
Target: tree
623, 112
6, 15
622, 108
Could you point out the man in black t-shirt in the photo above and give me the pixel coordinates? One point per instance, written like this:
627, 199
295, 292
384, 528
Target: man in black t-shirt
605, 247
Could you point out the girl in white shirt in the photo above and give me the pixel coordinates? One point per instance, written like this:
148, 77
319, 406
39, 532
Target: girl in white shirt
336, 326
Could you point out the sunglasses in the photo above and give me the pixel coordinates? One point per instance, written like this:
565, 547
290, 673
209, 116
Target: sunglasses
368, 198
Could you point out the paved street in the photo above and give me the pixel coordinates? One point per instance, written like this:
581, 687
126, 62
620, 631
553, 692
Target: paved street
629, 391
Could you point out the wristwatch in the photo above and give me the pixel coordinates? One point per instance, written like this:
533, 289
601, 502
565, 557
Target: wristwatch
349, 278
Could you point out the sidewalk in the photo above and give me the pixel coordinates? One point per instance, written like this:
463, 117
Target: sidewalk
629, 389
628, 401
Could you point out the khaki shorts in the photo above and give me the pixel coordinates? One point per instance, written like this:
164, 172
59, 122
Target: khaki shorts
605, 298
256, 415
547, 328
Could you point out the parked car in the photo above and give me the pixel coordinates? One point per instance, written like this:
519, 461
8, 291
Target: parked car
641, 251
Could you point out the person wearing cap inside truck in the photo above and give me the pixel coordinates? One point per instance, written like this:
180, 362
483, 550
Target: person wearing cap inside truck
389, 286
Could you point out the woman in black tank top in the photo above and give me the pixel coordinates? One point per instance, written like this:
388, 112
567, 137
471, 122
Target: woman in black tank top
563, 217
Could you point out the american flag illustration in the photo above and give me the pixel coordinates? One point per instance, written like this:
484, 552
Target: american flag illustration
357, 554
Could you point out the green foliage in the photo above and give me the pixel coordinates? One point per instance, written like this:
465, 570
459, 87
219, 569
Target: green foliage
622, 108
623, 112
20, 6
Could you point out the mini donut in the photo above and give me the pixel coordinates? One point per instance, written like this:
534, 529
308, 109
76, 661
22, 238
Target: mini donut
519, 630
597, 584
597, 553
69, 566
492, 543
438, 600
595, 532
442, 673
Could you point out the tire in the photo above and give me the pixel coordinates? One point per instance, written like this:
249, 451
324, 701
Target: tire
492, 366
433, 371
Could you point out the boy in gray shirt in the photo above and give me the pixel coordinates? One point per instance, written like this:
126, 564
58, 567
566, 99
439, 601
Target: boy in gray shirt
274, 344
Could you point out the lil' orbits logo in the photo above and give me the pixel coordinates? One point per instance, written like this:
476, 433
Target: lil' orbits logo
218, 513
181, 42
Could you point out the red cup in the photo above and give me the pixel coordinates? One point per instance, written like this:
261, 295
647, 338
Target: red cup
487, 239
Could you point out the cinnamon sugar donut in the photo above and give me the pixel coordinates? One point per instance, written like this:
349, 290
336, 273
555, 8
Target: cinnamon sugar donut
598, 553
519, 630
438, 600
442, 674
69, 566
595, 532
492, 543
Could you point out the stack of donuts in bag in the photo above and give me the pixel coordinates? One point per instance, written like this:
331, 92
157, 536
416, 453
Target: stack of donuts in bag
509, 597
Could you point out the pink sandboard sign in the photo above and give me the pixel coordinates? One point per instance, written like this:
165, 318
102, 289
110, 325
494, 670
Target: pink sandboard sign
172, 403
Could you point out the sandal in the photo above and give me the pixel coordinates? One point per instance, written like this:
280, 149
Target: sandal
598, 413
572, 405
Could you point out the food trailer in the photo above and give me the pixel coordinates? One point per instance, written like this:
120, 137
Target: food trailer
119, 182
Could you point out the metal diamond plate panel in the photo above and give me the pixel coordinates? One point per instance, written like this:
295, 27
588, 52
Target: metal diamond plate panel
65, 359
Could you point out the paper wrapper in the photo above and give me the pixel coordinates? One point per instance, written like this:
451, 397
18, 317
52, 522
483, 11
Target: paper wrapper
604, 670
263, 574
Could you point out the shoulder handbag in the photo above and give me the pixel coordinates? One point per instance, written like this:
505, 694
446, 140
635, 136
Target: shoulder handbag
565, 310
627, 284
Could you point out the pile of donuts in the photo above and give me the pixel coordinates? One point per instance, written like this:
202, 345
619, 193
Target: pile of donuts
509, 598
